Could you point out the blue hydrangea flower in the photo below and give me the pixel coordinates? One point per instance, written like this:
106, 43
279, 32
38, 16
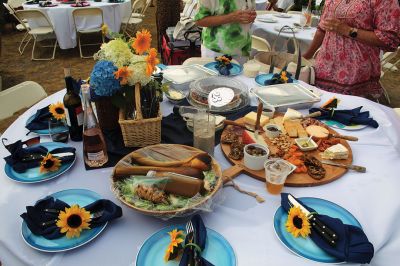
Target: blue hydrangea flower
102, 79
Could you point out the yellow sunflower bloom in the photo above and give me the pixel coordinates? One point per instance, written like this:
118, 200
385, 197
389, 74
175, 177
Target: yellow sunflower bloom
177, 238
297, 223
104, 29
123, 73
49, 164
57, 110
151, 61
174, 234
73, 220
142, 42
284, 76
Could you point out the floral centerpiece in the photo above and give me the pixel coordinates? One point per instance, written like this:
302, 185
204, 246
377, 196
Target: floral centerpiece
123, 75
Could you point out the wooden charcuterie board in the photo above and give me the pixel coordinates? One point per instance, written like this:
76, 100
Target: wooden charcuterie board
294, 179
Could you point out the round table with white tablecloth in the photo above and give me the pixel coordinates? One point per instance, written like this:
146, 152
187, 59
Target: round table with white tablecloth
269, 31
247, 225
61, 18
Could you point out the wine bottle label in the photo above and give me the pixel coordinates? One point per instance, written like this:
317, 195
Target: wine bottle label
95, 156
79, 115
67, 117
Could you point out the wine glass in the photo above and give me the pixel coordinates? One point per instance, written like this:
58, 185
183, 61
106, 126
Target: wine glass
303, 21
58, 130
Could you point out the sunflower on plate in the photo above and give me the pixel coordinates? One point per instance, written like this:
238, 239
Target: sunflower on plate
57, 110
49, 163
175, 246
73, 220
297, 223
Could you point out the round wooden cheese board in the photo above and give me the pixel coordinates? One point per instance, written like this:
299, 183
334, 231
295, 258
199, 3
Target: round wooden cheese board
294, 179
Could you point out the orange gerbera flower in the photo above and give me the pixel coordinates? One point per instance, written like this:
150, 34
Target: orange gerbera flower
152, 61
123, 74
142, 41
284, 76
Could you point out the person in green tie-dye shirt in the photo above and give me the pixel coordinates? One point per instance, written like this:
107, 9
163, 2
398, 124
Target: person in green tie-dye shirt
226, 27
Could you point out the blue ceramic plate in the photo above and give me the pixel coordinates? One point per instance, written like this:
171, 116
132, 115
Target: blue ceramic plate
217, 250
82, 197
305, 247
37, 131
260, 79
335, 124
235, 70
33, 175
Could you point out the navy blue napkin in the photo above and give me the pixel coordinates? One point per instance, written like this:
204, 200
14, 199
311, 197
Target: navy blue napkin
352, 246
201, 238
35, 215
40, 120
346, 117
18, 153
174, 130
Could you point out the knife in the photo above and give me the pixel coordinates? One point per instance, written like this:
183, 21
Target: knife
257, 127
325, 232
351, 138
360, 169
38, 156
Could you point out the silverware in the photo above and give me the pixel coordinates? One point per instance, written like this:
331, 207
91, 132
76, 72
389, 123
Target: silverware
324, 231
360, 169
190, 230
93, 216
39, 157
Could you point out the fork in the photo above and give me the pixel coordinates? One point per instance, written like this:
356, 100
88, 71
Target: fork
190, 229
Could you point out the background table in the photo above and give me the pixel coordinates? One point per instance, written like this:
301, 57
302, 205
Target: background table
371, 197
268, 32
63, 23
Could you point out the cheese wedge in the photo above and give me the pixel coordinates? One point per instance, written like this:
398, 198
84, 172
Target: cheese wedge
291, 128
250, 119
336, 152
259, 139
292, 114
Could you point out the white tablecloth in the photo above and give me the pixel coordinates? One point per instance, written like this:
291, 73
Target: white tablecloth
268, 31
371, 197
63, 23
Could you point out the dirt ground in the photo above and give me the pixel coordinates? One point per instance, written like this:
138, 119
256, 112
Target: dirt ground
16, 68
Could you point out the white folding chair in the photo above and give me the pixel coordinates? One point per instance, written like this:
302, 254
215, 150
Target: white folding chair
15, 3
20, 96
92, 12
139, 7
260, 44
21, 27
45, 29
262, 12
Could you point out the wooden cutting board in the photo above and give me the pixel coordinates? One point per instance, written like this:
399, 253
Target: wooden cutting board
294, 179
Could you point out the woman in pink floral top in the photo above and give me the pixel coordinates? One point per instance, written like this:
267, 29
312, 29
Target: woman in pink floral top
351, 34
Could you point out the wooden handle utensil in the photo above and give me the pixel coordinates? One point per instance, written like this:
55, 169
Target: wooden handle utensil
315, 114
350, 138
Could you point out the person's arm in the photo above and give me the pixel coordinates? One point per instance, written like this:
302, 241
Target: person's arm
315, 44
238, 16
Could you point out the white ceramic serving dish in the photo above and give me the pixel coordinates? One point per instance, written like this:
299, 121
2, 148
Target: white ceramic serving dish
181, 76
272, 133
311, 145
255, 162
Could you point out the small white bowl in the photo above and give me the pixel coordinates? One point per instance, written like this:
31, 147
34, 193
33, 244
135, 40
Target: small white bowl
255, 162
272, 131
311, 145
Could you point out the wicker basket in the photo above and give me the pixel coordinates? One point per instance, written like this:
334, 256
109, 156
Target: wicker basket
107, 113
140, 132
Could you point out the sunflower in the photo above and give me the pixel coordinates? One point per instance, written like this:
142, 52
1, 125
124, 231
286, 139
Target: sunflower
142, 42
49, 164
297, 223
284, 76
175, 245
104, 29
152, 61
57, 110
73, 220
123, 73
